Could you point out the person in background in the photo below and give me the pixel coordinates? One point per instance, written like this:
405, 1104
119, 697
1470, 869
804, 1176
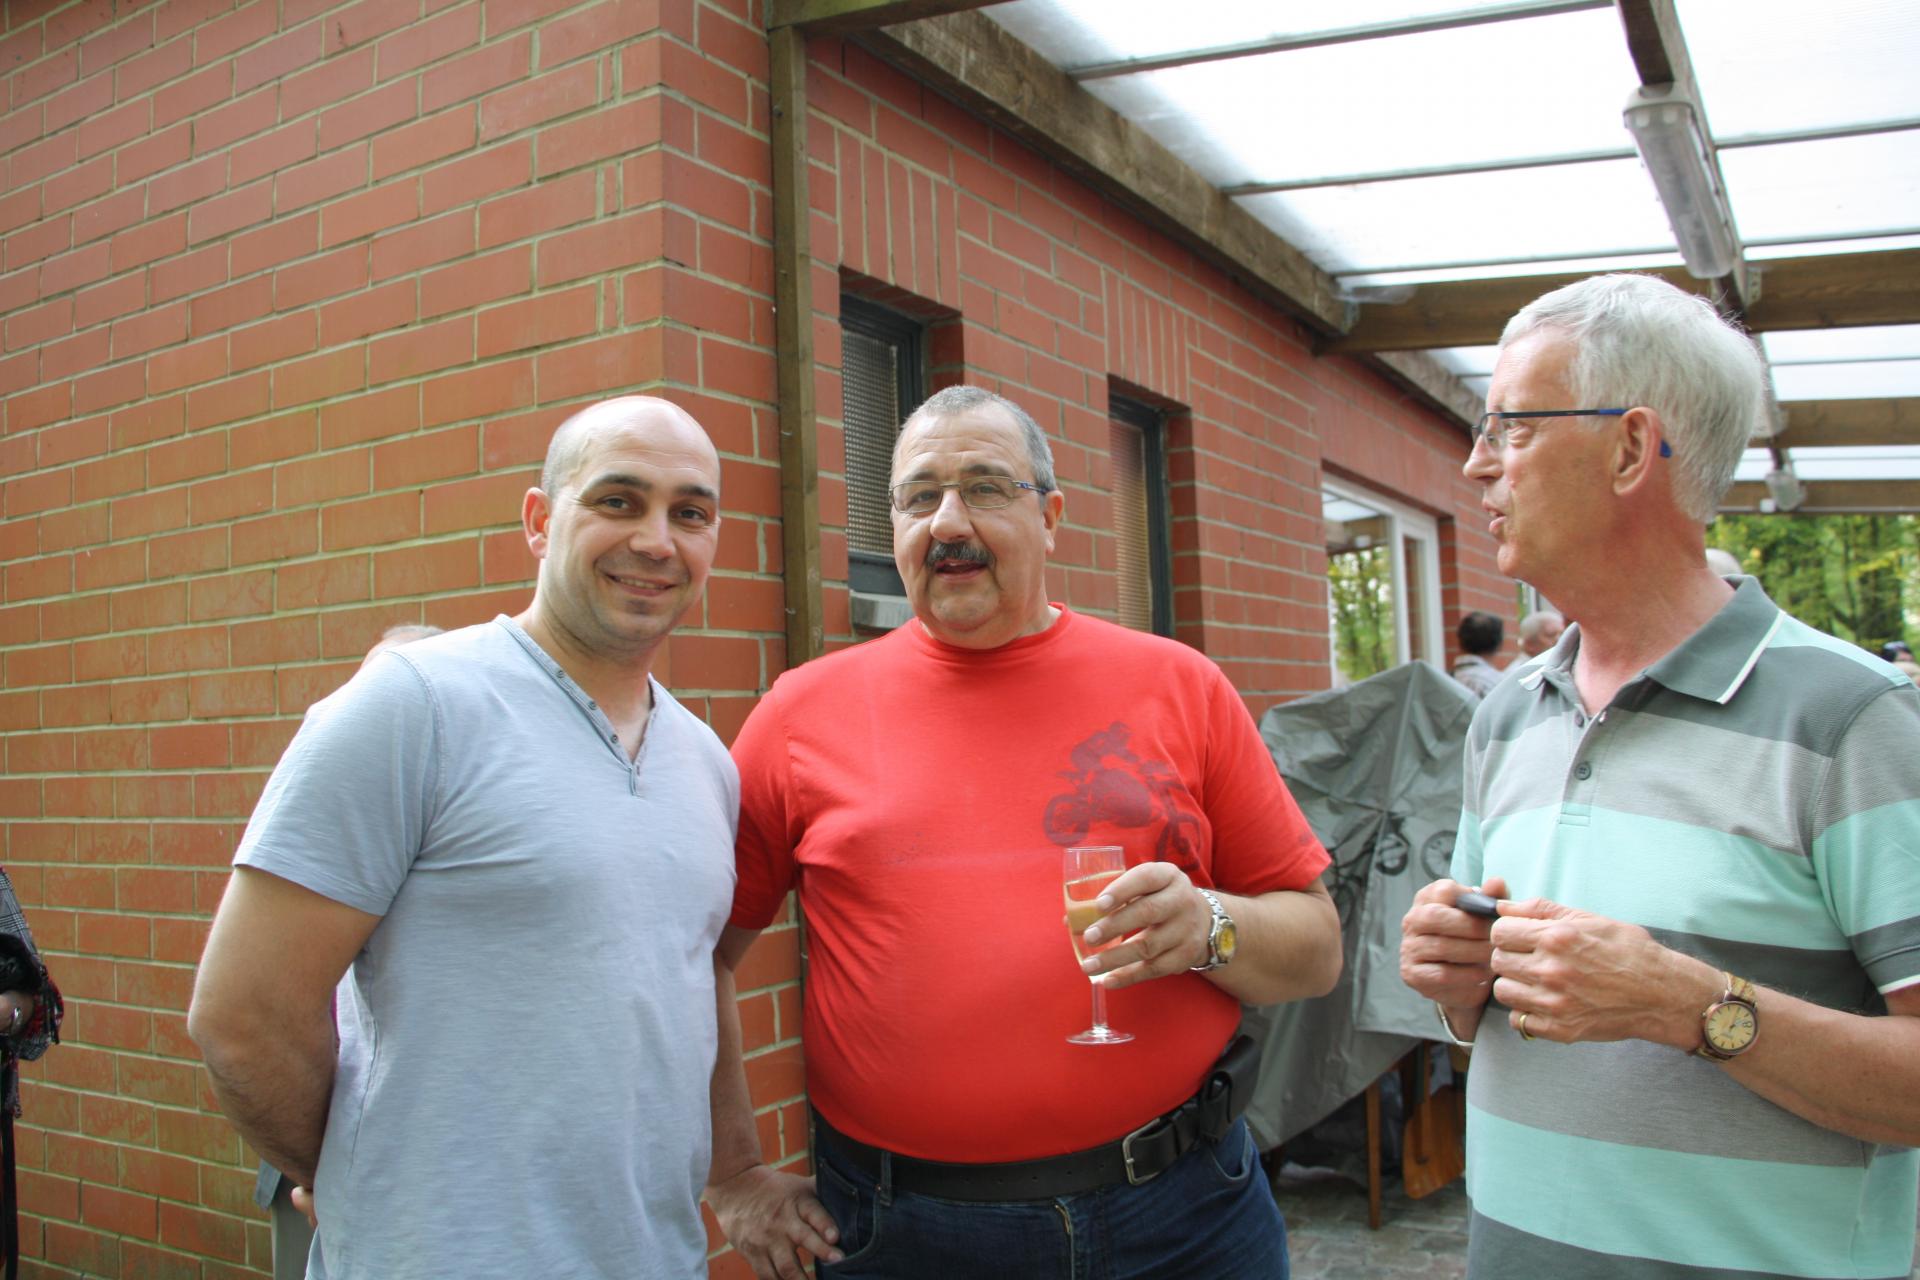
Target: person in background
516, 847
920, 790
1480, 635
1540, 631
30, 1015
273, 1190
1896, 652
1696, 1020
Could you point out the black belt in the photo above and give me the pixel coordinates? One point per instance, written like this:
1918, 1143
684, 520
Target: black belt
1139, 1157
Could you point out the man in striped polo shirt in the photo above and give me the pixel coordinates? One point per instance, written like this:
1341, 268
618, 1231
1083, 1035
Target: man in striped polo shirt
1706, 1057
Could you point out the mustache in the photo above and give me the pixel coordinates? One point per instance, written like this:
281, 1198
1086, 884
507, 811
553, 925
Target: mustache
964, 552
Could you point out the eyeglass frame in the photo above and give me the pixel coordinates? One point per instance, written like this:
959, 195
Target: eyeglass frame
893, 491
1481, 431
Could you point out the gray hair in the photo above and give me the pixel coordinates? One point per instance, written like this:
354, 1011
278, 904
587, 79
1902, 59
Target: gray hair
954, 401
1640, 341
1538, 621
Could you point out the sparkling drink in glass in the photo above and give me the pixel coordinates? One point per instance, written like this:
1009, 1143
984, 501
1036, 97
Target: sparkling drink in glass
1087, 870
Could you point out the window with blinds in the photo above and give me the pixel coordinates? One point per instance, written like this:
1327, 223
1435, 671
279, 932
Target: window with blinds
1137, 451
882, 380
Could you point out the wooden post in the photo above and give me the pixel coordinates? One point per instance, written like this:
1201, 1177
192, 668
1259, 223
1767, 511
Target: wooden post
793, 336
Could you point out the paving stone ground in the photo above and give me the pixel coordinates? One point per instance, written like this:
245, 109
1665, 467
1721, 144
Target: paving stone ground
1329, 1240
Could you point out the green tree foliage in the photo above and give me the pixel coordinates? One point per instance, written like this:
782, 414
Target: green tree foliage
1857, 577
1360, 585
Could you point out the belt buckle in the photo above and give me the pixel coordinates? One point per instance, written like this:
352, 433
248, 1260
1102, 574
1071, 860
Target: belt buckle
1126, 1152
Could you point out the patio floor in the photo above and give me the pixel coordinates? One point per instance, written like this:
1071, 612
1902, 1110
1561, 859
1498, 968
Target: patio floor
1328, 1236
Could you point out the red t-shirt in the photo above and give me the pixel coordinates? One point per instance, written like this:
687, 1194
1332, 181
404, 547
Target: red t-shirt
919, 796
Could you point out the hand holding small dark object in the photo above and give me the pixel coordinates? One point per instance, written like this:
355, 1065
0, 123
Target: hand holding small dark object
1479, 904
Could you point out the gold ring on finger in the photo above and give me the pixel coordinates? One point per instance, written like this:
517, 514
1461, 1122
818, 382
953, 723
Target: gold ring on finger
1522, 1028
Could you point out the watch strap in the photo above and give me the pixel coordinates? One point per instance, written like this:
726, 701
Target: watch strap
1220, 921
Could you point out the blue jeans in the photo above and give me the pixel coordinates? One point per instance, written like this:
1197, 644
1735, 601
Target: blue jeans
1210, 1216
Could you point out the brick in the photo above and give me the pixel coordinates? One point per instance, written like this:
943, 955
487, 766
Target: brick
41, 240
75, 527
272, 440
224, 215
538, 100
365, 21
72, 270
596, 28
367, 114
156, 1173
109, 129
155, 327
301, 687
389, 306
195, 272
332, 174
422, 244
248, 493
271, 341
55, 1197
342, 579
271, 246
489, 390
95, 570
223, 402
270, 152
193, 95
261, 744
371, 522
374, 416
238, 693
87, 182
476, 504
52, 664
438, 567
232, 305
112, 750
69, 105
609, 132
216, 130
331, 373
621, 361
537, 322
422, 143
112, 658
145, 71
422, 350
280, 537
221, 37
120, 1212
231, 595
600, 249
429, 40
187, 366
104, 217
470, 283
322, 479
370, 212
157, 606
36, 579
64, 619
109, 387
545, 207
187, 185
497, 63
471, 178
420, 459
320, 84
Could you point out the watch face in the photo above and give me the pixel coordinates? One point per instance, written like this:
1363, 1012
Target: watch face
1226, 940
1730, 1026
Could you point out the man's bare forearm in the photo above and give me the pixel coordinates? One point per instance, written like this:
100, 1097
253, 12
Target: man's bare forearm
276, 1090
1289, 946
736, 1138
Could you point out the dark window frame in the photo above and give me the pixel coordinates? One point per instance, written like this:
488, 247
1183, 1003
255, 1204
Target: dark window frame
1152, 425
869, 572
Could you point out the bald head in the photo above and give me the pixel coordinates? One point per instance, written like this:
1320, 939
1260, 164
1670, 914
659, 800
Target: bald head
574, 441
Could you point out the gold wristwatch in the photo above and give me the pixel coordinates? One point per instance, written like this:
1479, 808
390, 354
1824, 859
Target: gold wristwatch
1222, 937
1730, 1025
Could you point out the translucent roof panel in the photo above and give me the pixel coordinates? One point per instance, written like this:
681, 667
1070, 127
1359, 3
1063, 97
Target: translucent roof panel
1466, 360
1870, 342
1382, 105
1838, 186
1080, 33
1851, 462
1503, 269
1769, 66
1866, 380
1565, 211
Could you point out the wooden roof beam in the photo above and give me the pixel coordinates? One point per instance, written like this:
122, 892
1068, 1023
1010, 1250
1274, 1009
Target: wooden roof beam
1821, 424
1826, 292
847, 17
1832, 497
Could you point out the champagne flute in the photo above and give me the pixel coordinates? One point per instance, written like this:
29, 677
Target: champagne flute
1087, 870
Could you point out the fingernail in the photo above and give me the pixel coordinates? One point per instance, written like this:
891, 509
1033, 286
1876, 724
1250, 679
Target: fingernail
1104, 902
1089, 966
1092, 934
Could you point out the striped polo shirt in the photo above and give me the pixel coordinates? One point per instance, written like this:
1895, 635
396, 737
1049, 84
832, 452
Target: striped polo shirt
1752, 799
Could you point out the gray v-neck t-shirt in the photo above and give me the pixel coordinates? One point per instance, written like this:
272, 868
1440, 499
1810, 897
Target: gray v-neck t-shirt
527, 1038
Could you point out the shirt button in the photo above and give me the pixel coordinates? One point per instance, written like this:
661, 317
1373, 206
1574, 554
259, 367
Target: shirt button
592, 705
1579, 720
1584, 772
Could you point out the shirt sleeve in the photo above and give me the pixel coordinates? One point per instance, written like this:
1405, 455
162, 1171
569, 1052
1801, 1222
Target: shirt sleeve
764, 848
348, 808
1261, 840
1866, 841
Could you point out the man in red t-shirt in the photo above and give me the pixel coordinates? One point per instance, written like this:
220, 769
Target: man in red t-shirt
919, 791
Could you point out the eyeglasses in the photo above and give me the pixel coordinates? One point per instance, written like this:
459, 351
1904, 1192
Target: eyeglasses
1492, 427
980, 493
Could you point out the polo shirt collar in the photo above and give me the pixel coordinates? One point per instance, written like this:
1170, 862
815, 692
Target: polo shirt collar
1711, 664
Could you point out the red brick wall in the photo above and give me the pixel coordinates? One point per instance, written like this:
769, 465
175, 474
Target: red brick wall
294, 292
